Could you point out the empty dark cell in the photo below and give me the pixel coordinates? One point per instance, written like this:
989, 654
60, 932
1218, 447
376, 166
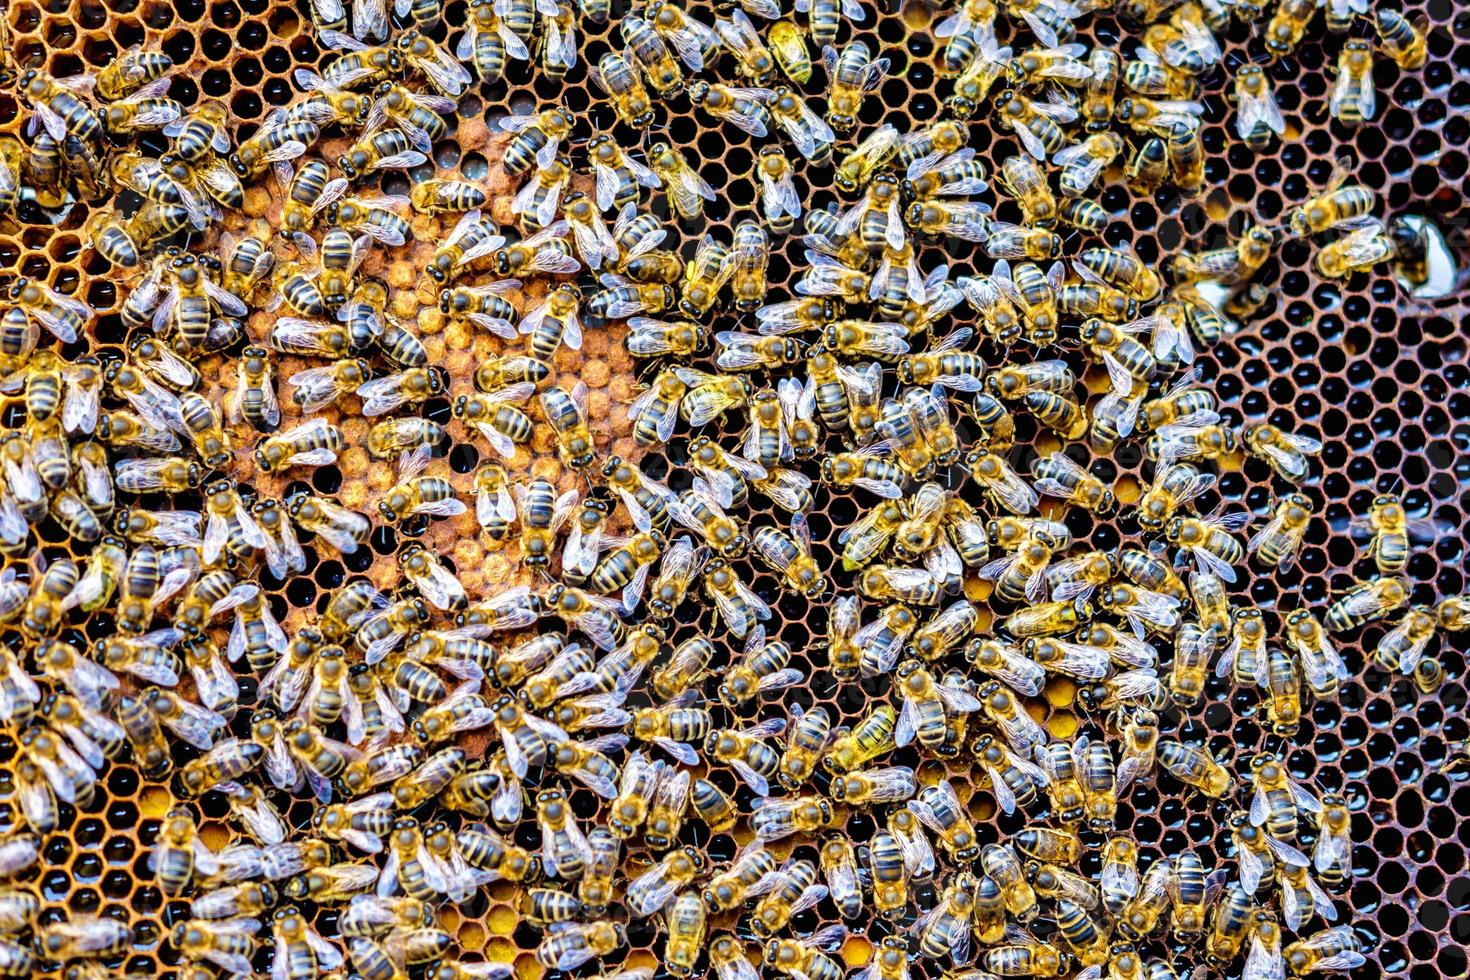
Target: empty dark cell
245, 105
117, 884
1393, 957
1255, 404
1455, 130
247, 71
122, 815
1398, 160
216, 83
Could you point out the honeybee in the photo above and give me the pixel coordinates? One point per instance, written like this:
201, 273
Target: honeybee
637, 784
890, 784
19, 853
890, 866
1301, 897
1354, 97
1366, 603
81, 937
812, 137
978, 78
1037, 125
342, 529
780, 202
1391, 533
1286, 452
1148, 167
1000, 482
615, 76
1402, 648
744, 108
1192, 766
965, 220
313, 443
753, 59
1278, 542
1012, 780
1336, 205
1401, 38
489, 39
699, 509
594, 243
939, 809
1320, 663
58, 313
1173, 487
788, 48
1058, 476
1210, 541
789, 890
744, 751
1009, 241
807, 958
1196, 436
853, 73
179, 854
537, 138
471, 240
944, 631
926, 704
790, 556
318, 388
1027, 184
1334, 950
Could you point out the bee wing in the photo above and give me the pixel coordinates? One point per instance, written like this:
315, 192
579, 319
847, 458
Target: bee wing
1363, 603
607, 184
1082, 660
754, 780
370, 19
1292, 465
688, 189
957, 699
216, 683
1210, 562
1321, 901
446, 74
750, 120
54, 124
1409, 653
1119, 375
1291, 908
1259, 110
686, 45
1171, 338
732, 612
1302, 444
381, 395
1343, 91
195, 725
967, 220
561, 45
1332, 850
1013, 493
779, 195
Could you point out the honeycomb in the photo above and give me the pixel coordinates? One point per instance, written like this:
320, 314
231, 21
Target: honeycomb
1380, 378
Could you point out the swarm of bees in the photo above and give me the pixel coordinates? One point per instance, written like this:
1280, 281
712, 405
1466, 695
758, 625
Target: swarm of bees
446, 737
